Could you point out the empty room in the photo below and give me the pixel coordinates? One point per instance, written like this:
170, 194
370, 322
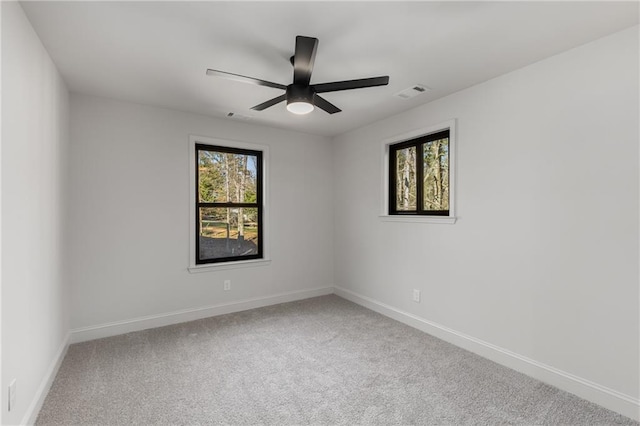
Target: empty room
320, 213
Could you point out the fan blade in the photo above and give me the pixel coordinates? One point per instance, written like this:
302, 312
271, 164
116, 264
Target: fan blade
351, 84
244, 79
269, 103
303, 59
324, 104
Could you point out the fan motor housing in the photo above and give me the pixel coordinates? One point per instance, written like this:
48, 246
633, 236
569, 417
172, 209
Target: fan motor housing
297, 93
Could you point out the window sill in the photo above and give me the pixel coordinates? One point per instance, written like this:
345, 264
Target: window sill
212, 267
448, 220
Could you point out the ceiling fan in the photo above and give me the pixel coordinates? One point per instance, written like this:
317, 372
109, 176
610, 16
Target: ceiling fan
300, 95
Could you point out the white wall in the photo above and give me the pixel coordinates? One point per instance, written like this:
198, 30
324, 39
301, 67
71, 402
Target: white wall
129, 249
35, 108
543, 260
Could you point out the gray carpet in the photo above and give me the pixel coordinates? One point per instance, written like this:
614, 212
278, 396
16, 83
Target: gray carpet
318, 361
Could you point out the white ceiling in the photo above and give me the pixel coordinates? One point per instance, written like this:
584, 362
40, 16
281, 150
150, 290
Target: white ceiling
157, 53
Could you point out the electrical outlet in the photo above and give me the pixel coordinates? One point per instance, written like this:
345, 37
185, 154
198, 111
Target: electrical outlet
416, 295
227, 285
12, 394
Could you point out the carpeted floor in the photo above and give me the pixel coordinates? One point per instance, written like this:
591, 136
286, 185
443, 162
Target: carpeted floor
318, 361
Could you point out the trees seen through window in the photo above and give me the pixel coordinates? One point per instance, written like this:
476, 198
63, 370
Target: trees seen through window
228, 204
419, 176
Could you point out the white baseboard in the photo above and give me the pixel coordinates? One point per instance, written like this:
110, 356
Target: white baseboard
185, 315
36, 404
598, 394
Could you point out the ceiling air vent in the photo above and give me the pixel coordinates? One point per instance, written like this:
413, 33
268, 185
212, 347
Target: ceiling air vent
239, 116
412, 91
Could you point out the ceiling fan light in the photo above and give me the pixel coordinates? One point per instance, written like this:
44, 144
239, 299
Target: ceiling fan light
300, 107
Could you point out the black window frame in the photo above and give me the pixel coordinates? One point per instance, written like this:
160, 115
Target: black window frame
417, 143
259, 204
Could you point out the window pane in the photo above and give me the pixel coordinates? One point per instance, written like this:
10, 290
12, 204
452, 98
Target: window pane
436, 174
224, 177
406, 179
228, 232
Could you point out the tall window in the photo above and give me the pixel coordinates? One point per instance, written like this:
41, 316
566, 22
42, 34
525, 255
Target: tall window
419, 174
228, 204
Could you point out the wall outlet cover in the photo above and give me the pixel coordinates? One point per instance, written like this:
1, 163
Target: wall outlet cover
12, 394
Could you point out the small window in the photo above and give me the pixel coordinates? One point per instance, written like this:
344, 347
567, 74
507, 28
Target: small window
229, 207
419, 176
